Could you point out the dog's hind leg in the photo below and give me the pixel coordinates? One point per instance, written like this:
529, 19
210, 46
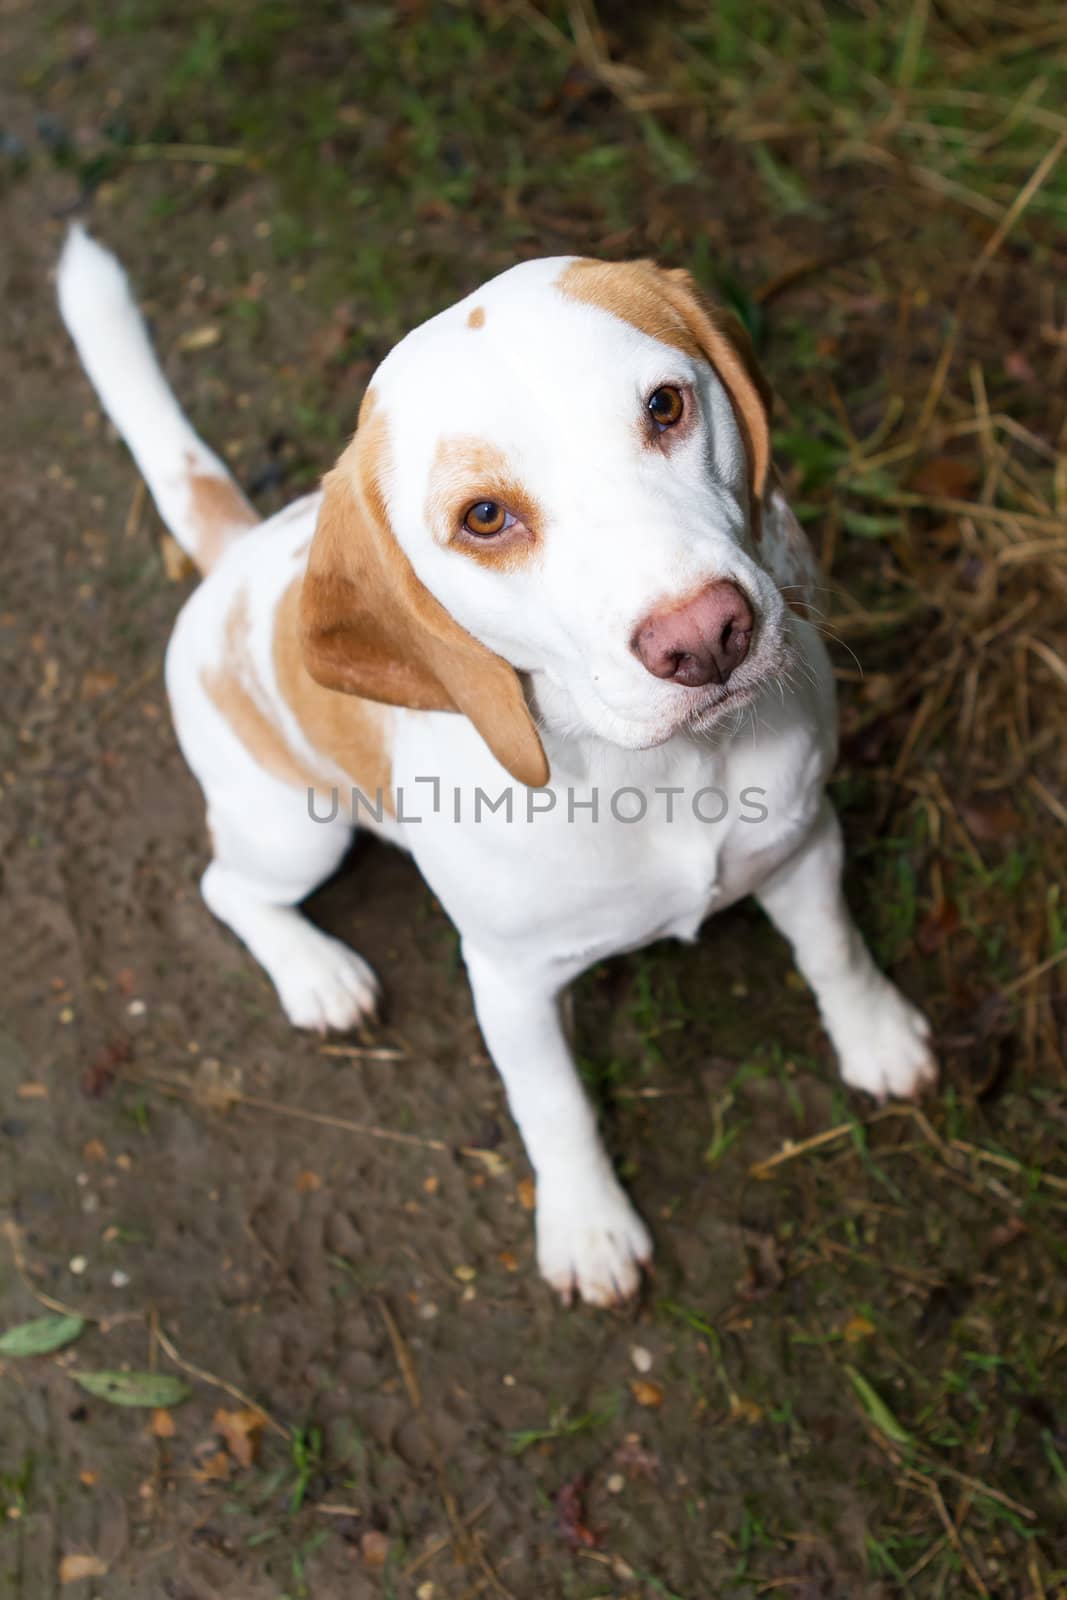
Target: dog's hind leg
267, 860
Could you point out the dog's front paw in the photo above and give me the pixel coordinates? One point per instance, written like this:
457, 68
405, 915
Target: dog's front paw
322, 984
884, 1047
590, 1240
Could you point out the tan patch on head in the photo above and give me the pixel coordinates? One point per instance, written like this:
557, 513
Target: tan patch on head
669, 306
477, 318
467, 469
218, 512
370, 627
632, 290
351, 733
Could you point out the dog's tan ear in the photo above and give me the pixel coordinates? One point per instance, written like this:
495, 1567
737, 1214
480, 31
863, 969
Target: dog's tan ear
369, 627
727, 346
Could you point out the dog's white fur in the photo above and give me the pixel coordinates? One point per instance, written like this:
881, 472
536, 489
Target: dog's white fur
554, 385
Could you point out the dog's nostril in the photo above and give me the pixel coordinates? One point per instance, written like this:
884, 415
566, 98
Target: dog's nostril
700, 642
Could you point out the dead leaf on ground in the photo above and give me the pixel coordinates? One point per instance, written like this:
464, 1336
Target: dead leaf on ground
946, 477
745, 1410
307, 1182
242, 1431
374, 1548
632, 1457
990, 819
646, 1393
214, 1468
940, 921
570, 1515
163, 1425
200, 338
857, 1328
94, 684
32, 1091
72, 1569
527, 1190
216, 1086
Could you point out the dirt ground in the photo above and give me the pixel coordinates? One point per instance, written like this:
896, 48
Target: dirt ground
847, 1377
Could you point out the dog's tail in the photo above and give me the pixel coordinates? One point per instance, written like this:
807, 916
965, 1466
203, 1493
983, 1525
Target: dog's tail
196, 496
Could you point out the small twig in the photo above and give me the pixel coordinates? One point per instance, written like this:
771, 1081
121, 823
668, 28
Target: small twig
103, 1320
920, 1480
358, 1052
220, 1383
790, 1151
1008, 1164
183, 1091
1035, 972
214, 154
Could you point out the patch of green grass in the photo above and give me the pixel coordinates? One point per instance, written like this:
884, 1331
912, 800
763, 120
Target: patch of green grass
560, 1426
306, 1455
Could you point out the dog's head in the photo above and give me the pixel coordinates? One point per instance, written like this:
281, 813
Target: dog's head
564, 476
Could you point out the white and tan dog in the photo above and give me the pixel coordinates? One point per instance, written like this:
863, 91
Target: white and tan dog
547, 616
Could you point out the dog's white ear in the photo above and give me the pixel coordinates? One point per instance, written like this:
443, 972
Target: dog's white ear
369, 627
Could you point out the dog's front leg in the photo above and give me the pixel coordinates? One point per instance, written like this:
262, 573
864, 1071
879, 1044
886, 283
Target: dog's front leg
590, 1241
882, 1041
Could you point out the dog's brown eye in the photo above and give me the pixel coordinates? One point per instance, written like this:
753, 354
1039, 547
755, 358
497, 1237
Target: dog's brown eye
665, 407
485, 518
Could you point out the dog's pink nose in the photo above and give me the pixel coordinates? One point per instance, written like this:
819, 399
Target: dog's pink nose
700, 642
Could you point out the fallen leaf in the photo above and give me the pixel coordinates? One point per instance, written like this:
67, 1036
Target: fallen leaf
214, 1086
465, 1274
242, 1431
634, 1459
73, 1568
494, 1165
94, 684
200, 338
527, 1191
877, 1410
990, 820
508, 1260
940, 921
856, 1329
32, 1091
41, 1336
645, 1392
87, 1477
163, 1424
570, 1515
307, 1182
94, 1150
946, 477
374, 1548
100, 1073
745, 1410
214, 1468
157, 1390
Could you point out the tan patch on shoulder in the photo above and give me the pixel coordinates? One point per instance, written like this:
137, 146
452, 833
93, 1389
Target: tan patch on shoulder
217, 510
476, 318
352, 734
467, 469
632, 290
238, 695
